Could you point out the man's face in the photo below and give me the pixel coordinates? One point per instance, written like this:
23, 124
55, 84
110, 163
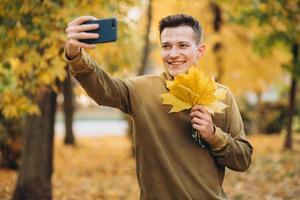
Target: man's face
179, 50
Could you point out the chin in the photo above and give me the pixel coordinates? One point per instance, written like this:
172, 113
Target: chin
177, 72
174, 71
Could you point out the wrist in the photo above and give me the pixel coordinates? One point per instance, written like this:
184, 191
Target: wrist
212, 134
72, 52
71, 56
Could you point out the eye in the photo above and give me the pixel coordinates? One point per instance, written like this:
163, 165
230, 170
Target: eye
165, 46
183, 45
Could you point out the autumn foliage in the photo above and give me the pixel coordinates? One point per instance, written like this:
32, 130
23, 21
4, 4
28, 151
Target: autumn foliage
194, 88
109, 171
32, 42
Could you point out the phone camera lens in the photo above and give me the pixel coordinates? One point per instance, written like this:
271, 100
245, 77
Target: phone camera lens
113, 24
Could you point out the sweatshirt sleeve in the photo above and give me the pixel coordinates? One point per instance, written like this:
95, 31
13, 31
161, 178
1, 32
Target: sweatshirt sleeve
230, 146
99, 85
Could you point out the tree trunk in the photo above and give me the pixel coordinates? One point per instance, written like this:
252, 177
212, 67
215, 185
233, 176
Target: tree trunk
218, 46
291, 111
146, 49
217, 49
68, 109
34, 179
292, 96
142, 68
259, 114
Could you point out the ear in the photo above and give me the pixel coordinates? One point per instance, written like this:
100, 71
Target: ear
201, 50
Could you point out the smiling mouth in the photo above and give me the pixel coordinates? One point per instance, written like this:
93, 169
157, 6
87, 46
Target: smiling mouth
176, 62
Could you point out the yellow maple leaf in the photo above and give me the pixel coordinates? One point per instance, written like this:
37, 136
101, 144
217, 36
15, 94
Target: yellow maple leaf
194, 88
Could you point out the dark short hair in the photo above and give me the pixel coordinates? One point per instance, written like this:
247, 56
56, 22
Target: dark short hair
181, 20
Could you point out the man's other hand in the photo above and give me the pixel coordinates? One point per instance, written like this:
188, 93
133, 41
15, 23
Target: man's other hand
201, 121
76, 31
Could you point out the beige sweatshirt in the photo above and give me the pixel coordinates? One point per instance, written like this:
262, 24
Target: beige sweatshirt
169, 164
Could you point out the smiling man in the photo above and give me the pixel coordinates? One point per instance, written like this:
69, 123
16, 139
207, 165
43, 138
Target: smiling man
170, 165
180, 46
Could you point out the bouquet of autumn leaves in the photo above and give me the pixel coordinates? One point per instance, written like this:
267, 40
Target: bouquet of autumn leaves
194, 88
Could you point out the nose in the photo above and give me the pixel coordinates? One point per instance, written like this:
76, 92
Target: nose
174, 53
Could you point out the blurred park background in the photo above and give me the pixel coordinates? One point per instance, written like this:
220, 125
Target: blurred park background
73, 149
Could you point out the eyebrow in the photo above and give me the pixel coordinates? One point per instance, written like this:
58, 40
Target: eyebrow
184, 42
181, 42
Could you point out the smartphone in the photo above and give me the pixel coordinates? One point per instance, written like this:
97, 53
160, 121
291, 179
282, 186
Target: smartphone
107, 31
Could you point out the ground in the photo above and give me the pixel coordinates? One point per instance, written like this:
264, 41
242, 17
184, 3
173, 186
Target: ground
102, 168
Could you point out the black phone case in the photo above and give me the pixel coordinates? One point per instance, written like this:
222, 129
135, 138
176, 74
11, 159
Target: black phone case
107, 31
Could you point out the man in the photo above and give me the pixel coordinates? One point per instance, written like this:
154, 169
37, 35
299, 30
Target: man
170, 165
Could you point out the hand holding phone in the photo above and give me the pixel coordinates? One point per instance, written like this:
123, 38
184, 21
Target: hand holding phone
86, 31
107, 31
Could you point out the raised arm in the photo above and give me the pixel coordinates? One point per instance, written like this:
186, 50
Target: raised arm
98, 84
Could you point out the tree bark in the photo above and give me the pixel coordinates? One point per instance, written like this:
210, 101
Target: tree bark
68, 110
217, 49
142, 68
259, 113
34, 178
218, 46
146, 49
288, 143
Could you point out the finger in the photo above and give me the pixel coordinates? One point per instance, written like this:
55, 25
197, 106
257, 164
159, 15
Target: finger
202, 110
82, 28
206, 112
82, 35
200, 115
76, 43
198, 121
198, 127
81, 19
199, 108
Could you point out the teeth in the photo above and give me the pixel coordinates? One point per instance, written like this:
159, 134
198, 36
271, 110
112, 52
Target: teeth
176, 63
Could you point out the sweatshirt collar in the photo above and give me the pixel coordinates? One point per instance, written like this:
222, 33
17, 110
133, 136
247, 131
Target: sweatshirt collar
165, 76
